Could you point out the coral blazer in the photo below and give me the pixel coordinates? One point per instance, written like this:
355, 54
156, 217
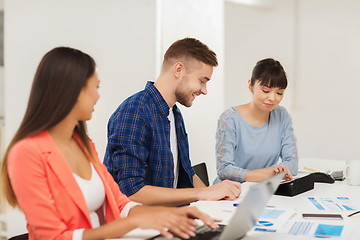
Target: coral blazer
48, 193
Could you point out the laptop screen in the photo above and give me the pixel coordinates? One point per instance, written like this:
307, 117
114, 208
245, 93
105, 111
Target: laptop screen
250, 208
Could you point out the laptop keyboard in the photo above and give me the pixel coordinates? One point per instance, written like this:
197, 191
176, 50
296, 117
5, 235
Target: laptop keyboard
203, 232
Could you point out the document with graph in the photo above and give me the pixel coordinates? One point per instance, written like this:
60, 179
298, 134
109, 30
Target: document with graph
272, 219
316, 230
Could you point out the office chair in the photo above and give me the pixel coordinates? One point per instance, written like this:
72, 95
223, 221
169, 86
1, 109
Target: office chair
201, 170
24, 236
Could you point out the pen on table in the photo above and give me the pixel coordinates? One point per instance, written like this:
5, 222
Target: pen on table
265, 230
236, 204
310, 169
352, 214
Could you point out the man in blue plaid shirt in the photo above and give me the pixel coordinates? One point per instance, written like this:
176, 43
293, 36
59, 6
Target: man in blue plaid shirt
148, 150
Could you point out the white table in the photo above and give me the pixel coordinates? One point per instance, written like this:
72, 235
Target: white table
223, 209
301, 205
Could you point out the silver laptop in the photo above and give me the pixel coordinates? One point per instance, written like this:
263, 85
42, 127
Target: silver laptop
246, 215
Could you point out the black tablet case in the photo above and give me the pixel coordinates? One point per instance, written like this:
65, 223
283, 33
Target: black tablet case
297, 186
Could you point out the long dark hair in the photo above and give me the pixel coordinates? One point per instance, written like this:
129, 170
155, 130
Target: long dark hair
59, 78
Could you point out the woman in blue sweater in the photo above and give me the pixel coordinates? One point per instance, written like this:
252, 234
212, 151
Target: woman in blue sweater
251, 138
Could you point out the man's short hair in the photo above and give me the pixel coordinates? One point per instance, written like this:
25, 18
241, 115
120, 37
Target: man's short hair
190, 48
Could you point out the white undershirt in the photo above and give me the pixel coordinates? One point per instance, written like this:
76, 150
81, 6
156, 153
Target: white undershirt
174, 146
94, 193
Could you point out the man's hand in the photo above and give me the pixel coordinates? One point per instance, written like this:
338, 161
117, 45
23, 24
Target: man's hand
228, 190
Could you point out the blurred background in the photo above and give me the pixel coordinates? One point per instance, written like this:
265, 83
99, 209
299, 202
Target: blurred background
317, 42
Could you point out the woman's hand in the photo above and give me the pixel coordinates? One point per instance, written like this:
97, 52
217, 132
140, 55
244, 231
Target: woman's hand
169, 221
282, 168
261, 174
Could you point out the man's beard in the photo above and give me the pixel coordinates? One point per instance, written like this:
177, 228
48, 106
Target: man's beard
183, 98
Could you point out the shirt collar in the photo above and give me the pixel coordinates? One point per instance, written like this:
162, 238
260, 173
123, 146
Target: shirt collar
158, 98
176, 110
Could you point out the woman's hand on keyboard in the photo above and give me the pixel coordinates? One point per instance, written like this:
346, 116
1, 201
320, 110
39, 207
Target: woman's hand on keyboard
170, 221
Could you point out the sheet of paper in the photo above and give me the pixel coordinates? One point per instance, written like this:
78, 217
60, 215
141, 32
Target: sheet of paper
272, 219
333, 203
314, 229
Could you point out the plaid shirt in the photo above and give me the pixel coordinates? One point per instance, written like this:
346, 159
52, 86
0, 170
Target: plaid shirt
138, 151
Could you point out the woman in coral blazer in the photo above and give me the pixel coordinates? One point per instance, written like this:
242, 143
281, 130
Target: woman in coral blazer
52, 172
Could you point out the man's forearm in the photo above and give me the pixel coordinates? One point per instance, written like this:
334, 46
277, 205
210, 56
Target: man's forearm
151, 195
197, 182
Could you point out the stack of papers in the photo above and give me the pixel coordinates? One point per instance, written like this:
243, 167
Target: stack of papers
278, 220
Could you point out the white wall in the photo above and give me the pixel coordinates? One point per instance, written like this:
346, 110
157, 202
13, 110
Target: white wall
1, 78
327, 116
2, 92
190, 18
253, 33
120, 35
318, 44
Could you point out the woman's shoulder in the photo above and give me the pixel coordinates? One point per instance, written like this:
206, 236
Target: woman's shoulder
228, 119
280, 110
29, 148
32, 142
281, 115
228, 113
